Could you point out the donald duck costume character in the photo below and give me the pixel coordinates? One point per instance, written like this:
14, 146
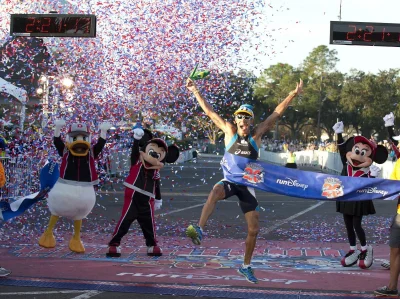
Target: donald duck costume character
73, 195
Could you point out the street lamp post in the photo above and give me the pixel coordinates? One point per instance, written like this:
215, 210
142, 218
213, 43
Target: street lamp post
321, 101
276, 129
44, 90
276, 133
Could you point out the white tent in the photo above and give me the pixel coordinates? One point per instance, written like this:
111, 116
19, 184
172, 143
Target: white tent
19, 93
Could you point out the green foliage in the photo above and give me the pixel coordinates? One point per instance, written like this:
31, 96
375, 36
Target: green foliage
358, 99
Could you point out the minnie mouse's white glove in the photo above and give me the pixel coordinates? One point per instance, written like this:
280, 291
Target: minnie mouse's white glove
59, 123
389, 120
374, 170
157, 204
138, 133
104, 127
338, 127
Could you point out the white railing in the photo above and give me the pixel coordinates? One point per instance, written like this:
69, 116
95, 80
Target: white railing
22, 173
185, 156
22, 176
327, 161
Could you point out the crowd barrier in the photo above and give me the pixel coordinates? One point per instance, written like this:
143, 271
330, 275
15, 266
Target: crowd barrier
22, 173
327, 161
22, 176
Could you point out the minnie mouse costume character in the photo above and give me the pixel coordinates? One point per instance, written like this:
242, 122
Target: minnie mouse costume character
142, 193
357, 154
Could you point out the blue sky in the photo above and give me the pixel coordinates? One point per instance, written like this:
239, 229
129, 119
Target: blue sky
306, 22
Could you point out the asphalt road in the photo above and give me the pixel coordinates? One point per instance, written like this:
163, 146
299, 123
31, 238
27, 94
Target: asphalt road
184, 190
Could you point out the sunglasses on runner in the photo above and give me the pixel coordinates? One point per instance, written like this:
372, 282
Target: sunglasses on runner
240, 116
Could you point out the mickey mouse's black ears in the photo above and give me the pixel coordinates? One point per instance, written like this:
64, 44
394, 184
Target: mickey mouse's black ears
173, 154
146, 137
381, 154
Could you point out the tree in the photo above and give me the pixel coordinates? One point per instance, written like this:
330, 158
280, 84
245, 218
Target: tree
210, 130
320, 84
273, 86
366, 98
295, 120
330, 105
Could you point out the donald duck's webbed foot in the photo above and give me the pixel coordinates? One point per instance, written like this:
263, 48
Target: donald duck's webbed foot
47, 239
75, 244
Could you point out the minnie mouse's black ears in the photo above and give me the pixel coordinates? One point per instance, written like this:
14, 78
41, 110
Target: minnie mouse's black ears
173, 154
146, 137
349, 144
381, 154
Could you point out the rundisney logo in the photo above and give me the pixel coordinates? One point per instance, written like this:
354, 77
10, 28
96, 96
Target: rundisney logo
224, 163
372, 190
52, 166
291, 183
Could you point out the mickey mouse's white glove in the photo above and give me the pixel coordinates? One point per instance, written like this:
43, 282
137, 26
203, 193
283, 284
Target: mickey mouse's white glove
104, 127
157, 204
338, 127
374, 170
138, 133
389, 120
59, 123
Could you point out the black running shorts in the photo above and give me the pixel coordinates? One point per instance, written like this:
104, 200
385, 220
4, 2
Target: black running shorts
246, 195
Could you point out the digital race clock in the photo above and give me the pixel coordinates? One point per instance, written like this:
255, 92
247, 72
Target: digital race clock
365, 34
57, 25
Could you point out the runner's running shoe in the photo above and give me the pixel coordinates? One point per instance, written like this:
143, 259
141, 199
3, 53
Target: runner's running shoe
194, 232
386, 292
386, 265
248, 273
4, 272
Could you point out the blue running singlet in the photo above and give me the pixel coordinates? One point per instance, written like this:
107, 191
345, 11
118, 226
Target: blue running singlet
243, 146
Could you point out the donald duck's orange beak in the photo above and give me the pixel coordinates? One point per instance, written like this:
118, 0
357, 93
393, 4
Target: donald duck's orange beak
79, 148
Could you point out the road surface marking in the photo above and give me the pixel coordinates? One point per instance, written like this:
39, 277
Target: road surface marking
87, 295
284, 221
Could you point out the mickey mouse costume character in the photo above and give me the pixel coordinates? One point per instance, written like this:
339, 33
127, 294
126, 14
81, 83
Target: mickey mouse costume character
73, 195
357, 155
142, 193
